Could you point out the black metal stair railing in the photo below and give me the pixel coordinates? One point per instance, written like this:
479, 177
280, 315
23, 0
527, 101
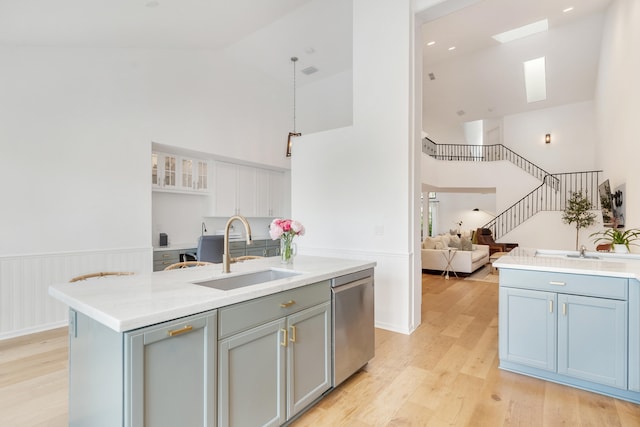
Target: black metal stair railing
486, 153
545, 198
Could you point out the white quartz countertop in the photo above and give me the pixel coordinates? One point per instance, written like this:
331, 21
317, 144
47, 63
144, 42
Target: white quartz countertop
602, 264
124, 303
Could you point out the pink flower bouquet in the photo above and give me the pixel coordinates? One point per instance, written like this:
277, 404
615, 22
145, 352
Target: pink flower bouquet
286, 230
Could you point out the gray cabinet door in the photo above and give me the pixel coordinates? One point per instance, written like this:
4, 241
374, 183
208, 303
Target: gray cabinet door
170, 373
592, 339
251, 387
308, 356
527, 327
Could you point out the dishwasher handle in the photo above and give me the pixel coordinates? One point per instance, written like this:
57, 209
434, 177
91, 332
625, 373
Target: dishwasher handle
351, 285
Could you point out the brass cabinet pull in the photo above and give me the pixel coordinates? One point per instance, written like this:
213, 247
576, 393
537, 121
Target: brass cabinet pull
287, 304
557, 283
564, 309
293, 334
174, 332
283, 343
550, 306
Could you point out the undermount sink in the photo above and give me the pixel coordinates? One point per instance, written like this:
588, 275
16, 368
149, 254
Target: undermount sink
242, 280
582, 256
564, 254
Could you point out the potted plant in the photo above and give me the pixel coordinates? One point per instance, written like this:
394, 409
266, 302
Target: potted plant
578, 211
620, 240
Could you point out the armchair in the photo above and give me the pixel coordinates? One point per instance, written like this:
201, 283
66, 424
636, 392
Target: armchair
484, 237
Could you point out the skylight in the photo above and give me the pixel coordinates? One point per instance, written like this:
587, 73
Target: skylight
521, 32
535, 79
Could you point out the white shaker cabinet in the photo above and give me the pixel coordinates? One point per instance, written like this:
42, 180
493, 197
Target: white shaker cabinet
269, 193
247, 191
234, 190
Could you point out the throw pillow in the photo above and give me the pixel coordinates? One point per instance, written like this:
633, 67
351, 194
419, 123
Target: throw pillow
440, 245
429, 243
465, 244
454, 242
445, 239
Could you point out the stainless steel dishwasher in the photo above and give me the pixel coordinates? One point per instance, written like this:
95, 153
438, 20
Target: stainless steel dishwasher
353, 339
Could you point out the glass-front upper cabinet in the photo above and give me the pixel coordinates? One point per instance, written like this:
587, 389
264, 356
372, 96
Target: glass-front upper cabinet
171, 172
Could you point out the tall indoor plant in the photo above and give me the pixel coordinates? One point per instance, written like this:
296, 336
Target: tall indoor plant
578, 211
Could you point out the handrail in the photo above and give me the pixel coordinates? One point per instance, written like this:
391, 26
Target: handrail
542, 198
486, 153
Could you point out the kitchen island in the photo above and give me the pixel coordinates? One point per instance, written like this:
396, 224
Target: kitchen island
572, 320
168, 348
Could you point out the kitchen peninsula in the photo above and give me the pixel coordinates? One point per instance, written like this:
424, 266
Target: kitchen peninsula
572, 320
163, 348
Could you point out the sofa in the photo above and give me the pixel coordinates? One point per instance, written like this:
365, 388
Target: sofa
467, 259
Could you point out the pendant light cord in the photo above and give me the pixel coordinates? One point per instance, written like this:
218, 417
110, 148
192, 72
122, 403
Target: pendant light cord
294, 59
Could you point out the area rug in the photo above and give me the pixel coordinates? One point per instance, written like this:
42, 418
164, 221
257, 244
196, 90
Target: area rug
485, 275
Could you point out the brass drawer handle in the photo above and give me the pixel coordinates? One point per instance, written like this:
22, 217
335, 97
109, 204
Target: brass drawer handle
287, 304
283, 343
293, 334
557, 283
174, 332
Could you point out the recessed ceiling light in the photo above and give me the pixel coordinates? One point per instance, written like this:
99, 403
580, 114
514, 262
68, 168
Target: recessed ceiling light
569, 9
461, 113
431, 43
521, 32
152, 3
535, 79
452, 48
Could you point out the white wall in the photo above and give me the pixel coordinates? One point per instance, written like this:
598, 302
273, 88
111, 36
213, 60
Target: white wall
455, 207
618, 102
547, 231
325, 104
509, 181
573, 137
75, 156
350, 186
77, 131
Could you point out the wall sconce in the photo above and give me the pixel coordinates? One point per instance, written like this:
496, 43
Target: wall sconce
547, 138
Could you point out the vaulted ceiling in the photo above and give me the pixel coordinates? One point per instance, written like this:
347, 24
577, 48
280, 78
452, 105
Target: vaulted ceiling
484, 79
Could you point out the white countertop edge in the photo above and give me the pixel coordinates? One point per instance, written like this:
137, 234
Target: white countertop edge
88, 297
607, 264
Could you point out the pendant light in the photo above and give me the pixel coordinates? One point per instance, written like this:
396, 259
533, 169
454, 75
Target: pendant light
294, 59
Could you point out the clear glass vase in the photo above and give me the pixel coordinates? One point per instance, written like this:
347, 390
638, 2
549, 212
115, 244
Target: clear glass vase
287, 251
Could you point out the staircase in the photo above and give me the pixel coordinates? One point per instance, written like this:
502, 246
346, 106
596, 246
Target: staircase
551, 195
486, 153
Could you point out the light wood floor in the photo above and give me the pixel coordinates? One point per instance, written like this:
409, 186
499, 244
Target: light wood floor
445, 374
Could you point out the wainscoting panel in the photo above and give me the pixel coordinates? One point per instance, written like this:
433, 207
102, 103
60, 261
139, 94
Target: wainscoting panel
25, 304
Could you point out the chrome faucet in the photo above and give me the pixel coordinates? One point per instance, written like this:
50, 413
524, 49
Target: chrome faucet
204, 228
226, 259
582, 251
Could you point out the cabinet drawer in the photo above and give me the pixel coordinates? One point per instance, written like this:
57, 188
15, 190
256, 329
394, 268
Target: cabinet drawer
566, 283
161, 265
162, 255
261, 243
261, 251
242, 316
238, 244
